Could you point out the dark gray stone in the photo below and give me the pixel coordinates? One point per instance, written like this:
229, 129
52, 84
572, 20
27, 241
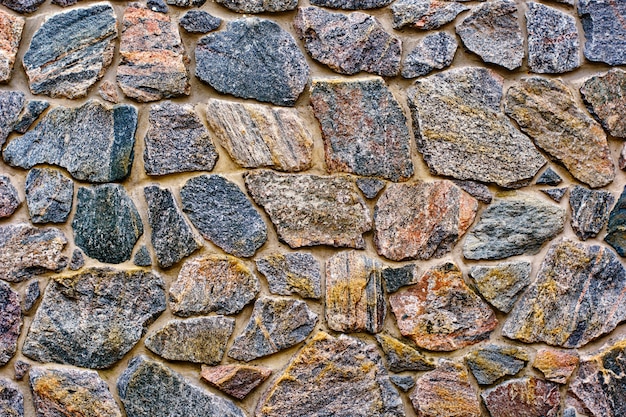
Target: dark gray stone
402, 357
31, 112
425, 14
434, 51
77, 261
21, 369
549, 177
49, 195
555, 193
199, 21
11, 104
158, 6
31, 296
491, 362
259, 6
23, 6
292, 273
605, 97
10, 322
605, 31
370, 187
477, 190
501, 284
11, 399
616, 229
142, 257
9, 199
396, 278
590, 210
351, 4
404, 382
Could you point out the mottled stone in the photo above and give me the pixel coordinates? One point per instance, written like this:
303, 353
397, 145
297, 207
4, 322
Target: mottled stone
477, 190
11, 104
422, 219
605, 96
21, 369
22, 6
10, 33
223, 214
363, 127
153, 59
556, 365
186, 3
9, 199
142, 257
351, 4
93, 318
445, 392
513, 226
348, 44
404, 382
93, 142
491, 362
440, 312
32, 110
212, 283
10, 322
71, 51
108, 92
77, 260
275, 71
555, 193
149, 388
31, 296
549, 177
425, 14
462, 133
157, 6
396, 278
570, 412
71, 392
257, 135
434, 51
235, 380
199, 21
310, 210
259, 6
402, 357
590, 210
11, 399
501, 284
370, 187
616, 229
49, 195
292, 273
525, 397
197, 340
605, 31
339, 377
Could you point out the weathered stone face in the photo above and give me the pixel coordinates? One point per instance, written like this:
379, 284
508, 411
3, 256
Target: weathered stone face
491, 362
49, 195
590, 210
556, 365
11, 104
425, 14
11, 399
605, 96
501, 284
9, 200
259, 6
11, 33
351, 4
616, 229
10, 323
292, 273
526, 397
199, 21
402, 357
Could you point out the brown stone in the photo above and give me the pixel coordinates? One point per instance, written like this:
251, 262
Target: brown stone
108, 92
556, 365
235, 380
525, 397
10, 35
605, 96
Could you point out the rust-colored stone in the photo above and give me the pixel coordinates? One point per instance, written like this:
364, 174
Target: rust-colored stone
10, 35
556, 365
525, 397
235, 380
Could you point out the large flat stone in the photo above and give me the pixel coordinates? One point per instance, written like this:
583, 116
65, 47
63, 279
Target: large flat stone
10, 323
49, 195
11, 33
525, 397
590, 210
259, 6
292, 273
501, 284
605, 96
425, 14
605, 32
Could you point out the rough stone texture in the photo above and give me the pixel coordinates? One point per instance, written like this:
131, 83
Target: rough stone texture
434, 51
552, 40
71, 51
555, 193
355, 299
348, 44
199, 21
605, 32
22, 6
310, 210
616, 229
212, 283
197, 340
276, 324
396, 278
513, 226
525, 397
574, 300
186, 3
461, 132
142, 257
157, 6
275, 71
549, 177
556, 365
363, 127
440, 312
153, 59
477, 190
11, 104
49, 195
91, 319
491, 362
351, 4
445, 392
172, 237
590, 210
11, 33
546, 110
256, 135
501, 284
10, 322
31, 296
404, 382
108, 92
26, 251
99, 145
9, 199
492, 31
32, 110
605, 96
223, 214
77, 260
149, 388
235, 380
339, 377
370, 187
11, 399
259, 6
422, 219
402, 357
292, 273
21, 369
71, 392
425, 14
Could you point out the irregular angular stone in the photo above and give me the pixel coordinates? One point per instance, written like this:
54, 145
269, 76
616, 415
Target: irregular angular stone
425, 14
552, 40
212, 283
555, 193
26, 251
402, 357
513, 226
310, 210
557, 366
461, 132
31, 296
501, 284
142, 257
549, 177
605, 96
11, 33
574, 300
256, 135
590, 210
71, 51
49, 195
199, 21
153, 59
149, 388
93, 318
10, 322
422, 219
605, 33
275, 71
370, 187
477, 190
363, 127
355, 299
108, 92
11, 104
259, 6
440, 312
223, 214
351, 4
11, 399
235, 380
9, 199
32, 110
404, 382
492, 32
292, 273
445, 392
434, 51
22, 6
525, 397
348, 44
21, 369
197, 340
93, 142
77, 261
491, 362
616, 229
340, 377
67, 391
396, 278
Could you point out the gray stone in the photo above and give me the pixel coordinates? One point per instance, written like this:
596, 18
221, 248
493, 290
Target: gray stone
223, 214
142, 257
275, 71
555, 193
22, 6
259, 6
616, 229
9, 199
77, 261
106, 223
93, 318
501, 284
404, 382
425, 14
31, 296
549, 177
491, 362
64, 3
49, 195
292, 273
21, 369
396, 278
351, 4
590, 210
11, 104
157, 6
433, 51
199, 21
525, 397
93, 142
569, 412
31, 112
402, 357
197, 340
186, 3
370, 187
477, 190
11, 399
10, 322
11, 28
605, 96
605, 33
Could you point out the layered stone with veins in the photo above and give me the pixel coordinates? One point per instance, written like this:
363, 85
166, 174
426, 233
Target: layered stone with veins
525, 397
10, 35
